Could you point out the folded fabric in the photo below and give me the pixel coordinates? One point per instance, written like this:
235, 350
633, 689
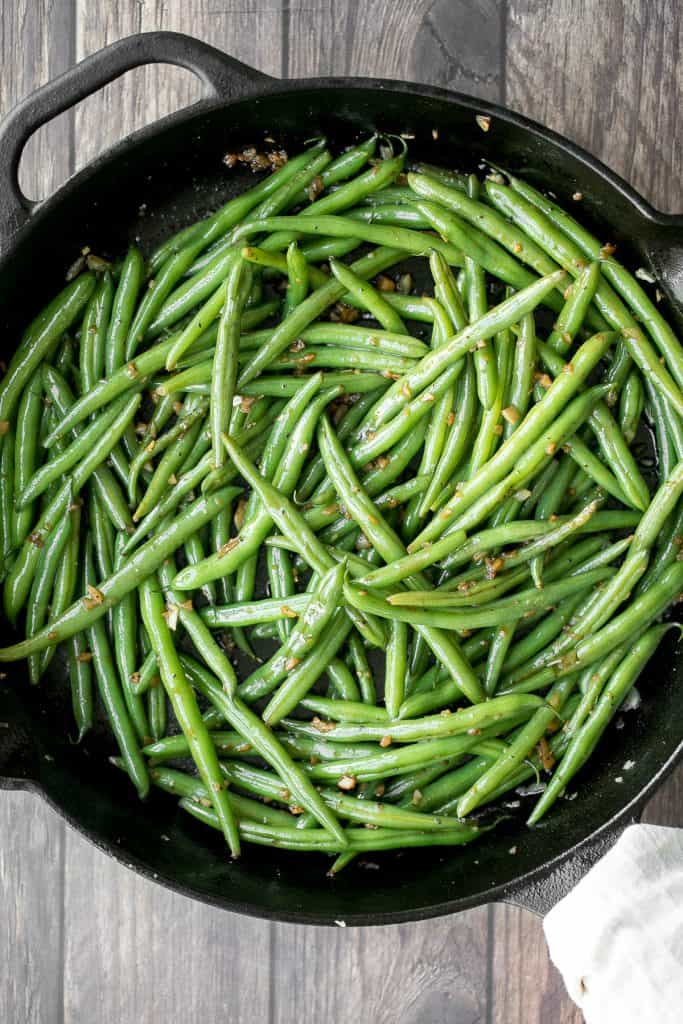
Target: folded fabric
617, 938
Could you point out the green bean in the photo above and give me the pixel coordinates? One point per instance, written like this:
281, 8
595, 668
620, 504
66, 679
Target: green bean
622, 281
80, 676
371, 299
458, 438
355, 839
401, 760
396, 668
172, 459
577, 303
44, 335
61, 464
360, 507
438, 427
612, 443
257, 520
302, 316
139, 566
631, 404
212, 268
94, 333
519, 392
528, 431
185, 708
7, 514
351, 381
437, 361
281, 584
19, 579
632, 621
250, 613
123, 309
132, 375
298, 278
465, 202
170, 748
146, 676
498, 650
490, 428
268, 260
478, 717
348, 336
398, 215
497, 612
546, 630
225, 358
341, 198
291, 522
610, 305
342, 683
37, 605
124, 619
26, 456
477, 247
342, 167
232, 212
249, 725
110, 692
157, 712
302, 677
191, 412
301, 640
345, 710
361, 666
584, 741
445, 791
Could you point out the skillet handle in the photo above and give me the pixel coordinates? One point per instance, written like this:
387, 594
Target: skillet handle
540, 895
223, 77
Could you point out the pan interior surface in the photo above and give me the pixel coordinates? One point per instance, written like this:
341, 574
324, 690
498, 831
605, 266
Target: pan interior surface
146, 189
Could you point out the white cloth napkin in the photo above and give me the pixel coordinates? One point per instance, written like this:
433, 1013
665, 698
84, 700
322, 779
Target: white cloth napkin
617, 938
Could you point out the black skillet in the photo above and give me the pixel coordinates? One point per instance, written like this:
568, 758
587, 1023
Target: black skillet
162, 178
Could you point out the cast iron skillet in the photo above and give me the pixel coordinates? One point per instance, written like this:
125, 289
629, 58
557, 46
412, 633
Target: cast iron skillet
164, 177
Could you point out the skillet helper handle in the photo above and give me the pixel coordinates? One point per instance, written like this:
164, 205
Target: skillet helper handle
541, 895
222, 77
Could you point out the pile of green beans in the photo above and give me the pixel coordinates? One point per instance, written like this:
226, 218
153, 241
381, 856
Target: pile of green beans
333, 502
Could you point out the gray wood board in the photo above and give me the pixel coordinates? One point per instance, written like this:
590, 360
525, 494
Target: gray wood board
82, 938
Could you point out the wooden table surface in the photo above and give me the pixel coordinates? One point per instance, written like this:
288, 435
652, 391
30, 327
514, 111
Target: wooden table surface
85, 940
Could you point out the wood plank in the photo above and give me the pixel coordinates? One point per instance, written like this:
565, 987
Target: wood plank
31, 910
390, 974
458, 46
133, 971
611, 82
36, 43
430, 971
560, 58
248, 30
136, 952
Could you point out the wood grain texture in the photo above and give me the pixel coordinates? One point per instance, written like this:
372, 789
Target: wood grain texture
31, 910
36, 43
609, 76
431, 972
81, 937
390, 974
134, 952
